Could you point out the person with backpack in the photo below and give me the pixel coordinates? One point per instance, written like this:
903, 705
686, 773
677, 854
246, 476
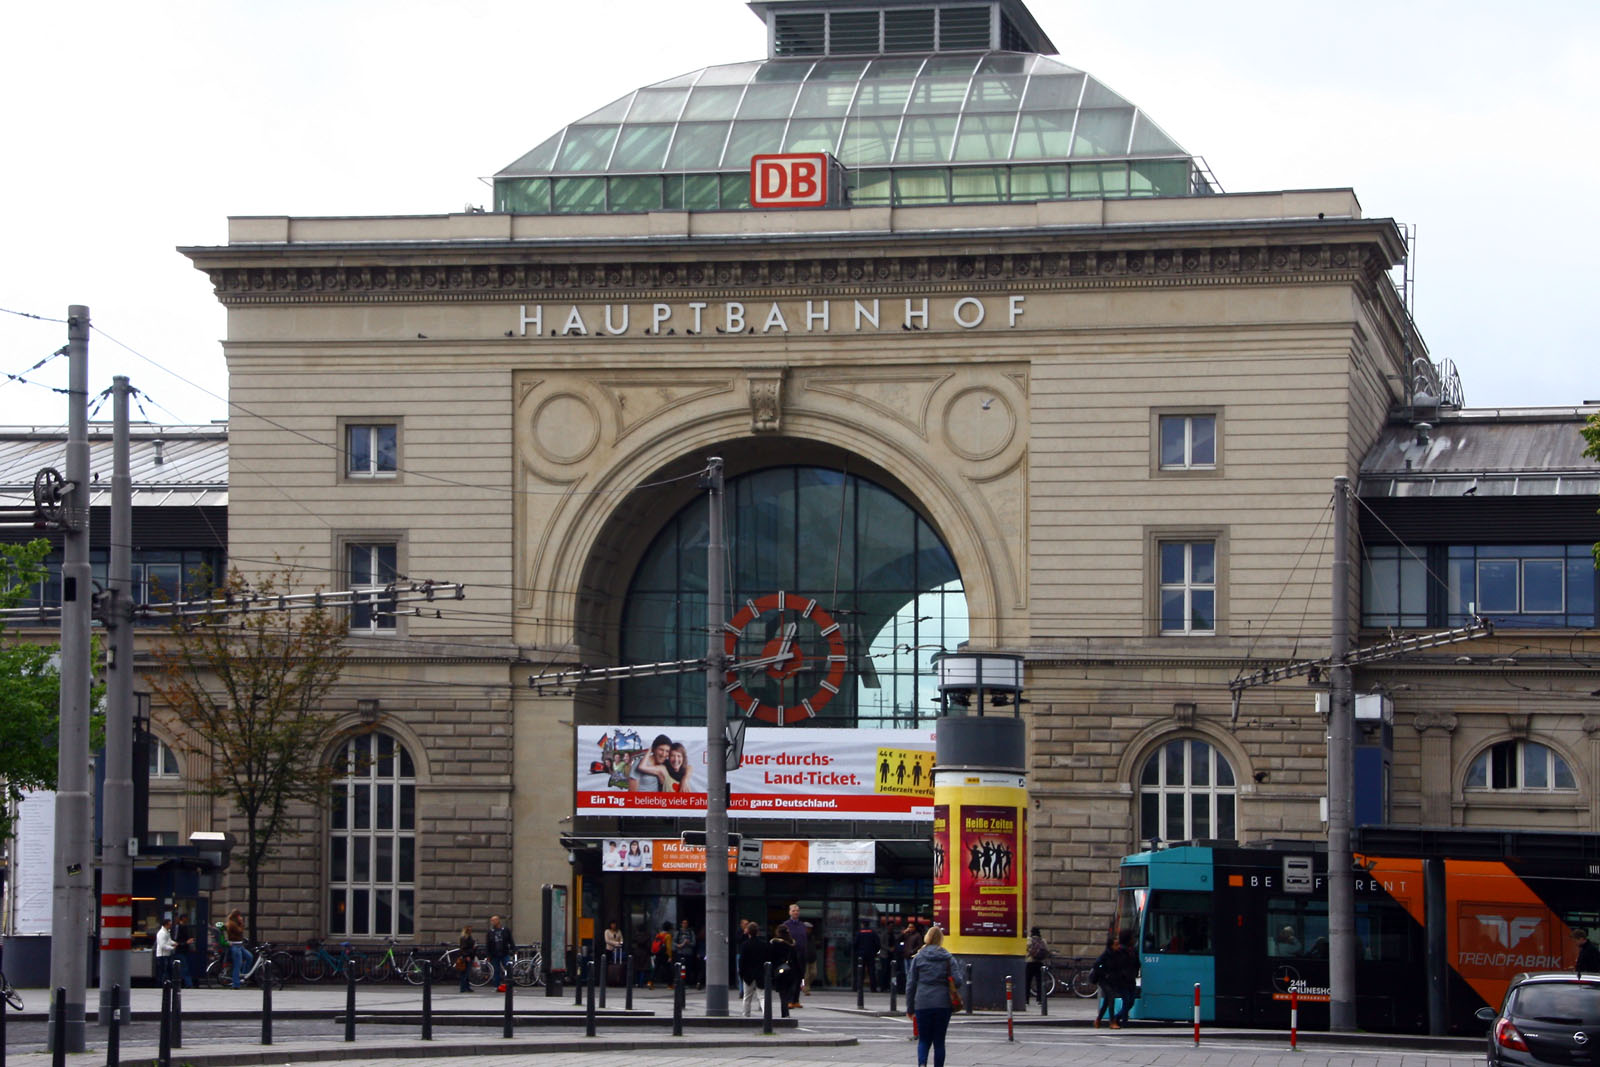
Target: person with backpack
1100, 974
661, 957
1033, 969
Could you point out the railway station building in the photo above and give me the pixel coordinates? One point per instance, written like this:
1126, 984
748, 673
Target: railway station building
1027, 381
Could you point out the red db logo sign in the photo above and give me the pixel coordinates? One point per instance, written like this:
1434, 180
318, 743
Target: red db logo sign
792, 180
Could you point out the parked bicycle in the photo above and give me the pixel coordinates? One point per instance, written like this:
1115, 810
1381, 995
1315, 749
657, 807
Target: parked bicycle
220, 969
13, 998
318, 963
1075, 975
387, 965
527, 965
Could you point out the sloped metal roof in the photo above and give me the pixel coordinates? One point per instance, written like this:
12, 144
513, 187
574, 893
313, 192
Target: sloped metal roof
1530, 452
175, 466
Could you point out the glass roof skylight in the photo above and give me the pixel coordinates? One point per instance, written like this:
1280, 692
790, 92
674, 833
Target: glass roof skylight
962, 109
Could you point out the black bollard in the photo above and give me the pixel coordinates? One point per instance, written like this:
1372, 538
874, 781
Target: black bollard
1044, 993
114, 1037
506, 1027
266, 1001
627, 1000
588, 1014
577, 987
164, 1042
350, 1004
427, 1001
861, 985
969, 989
766, 997
175, 1030
605, 980
677, 1003
894, 1001
4, 1004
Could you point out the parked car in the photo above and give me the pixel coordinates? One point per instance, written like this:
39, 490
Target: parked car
1546, 1018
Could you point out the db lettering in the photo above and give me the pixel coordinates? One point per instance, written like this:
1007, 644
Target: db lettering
789, 180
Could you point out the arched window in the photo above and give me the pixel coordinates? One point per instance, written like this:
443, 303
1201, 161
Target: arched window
1525, 766
163, 761
1186, 791
372, 856
866, 556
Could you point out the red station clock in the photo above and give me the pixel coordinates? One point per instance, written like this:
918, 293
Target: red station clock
801, 638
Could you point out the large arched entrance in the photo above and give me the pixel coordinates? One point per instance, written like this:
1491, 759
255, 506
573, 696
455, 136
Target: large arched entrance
852, 545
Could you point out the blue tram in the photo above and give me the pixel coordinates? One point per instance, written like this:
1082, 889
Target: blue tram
1444, 918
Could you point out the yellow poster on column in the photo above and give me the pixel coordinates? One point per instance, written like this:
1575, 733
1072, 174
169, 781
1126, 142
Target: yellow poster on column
983, 855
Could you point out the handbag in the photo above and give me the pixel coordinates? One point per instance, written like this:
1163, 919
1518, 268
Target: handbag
461, 963
955, 993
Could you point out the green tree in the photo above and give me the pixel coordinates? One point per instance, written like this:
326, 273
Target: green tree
30, 688
249, 686
1591, 434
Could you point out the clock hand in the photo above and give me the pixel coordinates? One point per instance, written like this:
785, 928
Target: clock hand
785, 652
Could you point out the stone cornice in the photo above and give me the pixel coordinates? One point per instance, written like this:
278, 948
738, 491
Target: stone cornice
374, 273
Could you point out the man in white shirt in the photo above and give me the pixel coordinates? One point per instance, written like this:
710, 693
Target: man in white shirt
165, 947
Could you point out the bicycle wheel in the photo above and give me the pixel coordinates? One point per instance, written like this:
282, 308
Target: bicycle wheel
414, 969
283, 967
479, 972
355, 964
13, 998
536, 964
383, 970
1083, 984
313, 968
522, 972
1047, 981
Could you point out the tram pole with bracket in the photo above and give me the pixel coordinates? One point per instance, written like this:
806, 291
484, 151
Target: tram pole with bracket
717, 946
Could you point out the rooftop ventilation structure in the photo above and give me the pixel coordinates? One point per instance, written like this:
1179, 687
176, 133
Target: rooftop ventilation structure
840, 28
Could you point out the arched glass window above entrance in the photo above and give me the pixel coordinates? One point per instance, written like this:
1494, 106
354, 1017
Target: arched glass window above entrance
372, 839
871, 563
1186, 792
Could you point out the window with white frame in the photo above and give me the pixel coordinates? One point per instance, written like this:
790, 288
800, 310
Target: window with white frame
1524, 766
371, 569
372, 450
1188, 587
372, 847
163, 761
1186, 792
1187, 442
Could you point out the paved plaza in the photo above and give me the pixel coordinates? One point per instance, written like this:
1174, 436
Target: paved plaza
222, 1028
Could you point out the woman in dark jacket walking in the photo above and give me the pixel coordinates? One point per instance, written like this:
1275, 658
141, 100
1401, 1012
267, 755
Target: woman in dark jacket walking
1124, 967
752, 959
928, 980
787, 967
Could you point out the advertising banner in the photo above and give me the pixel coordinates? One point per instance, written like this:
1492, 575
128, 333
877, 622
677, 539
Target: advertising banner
979, 861
671, 856
812, 774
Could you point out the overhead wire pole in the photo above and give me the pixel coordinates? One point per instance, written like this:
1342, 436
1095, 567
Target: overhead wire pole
1341, 747
716, 750
72, 879
116, 855
1341, 763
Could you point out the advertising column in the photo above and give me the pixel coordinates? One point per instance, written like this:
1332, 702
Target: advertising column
980, 805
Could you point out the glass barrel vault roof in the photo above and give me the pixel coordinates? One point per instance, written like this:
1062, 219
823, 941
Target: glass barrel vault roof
949, 110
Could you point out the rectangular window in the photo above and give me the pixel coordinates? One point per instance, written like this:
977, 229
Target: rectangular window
1188, 442
1394, 587
1188, 592
372, 570
1521, 585
371, 449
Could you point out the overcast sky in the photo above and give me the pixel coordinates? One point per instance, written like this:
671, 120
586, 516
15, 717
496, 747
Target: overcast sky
137, 128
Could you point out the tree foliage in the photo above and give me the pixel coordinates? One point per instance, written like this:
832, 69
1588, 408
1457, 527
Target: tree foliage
249, 686
1591, 434
30, 689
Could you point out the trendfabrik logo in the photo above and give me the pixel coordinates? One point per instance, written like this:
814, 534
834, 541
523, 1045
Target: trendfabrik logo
1510, 934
